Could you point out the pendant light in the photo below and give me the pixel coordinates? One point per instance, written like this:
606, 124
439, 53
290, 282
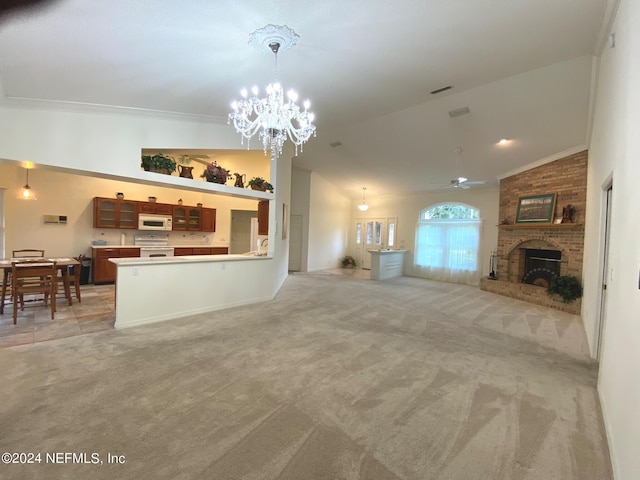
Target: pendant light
363, 206
26, 192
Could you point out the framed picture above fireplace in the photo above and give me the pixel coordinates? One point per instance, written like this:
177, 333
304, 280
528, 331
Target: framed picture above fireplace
536, 209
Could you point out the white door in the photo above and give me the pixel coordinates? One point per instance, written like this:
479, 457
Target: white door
372, 234
372, 239
295, 243
605, 270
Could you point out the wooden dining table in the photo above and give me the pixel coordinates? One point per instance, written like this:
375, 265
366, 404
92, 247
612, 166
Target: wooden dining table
62, 264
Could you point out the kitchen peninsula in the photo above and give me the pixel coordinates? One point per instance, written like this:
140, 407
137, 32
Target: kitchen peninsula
155, 289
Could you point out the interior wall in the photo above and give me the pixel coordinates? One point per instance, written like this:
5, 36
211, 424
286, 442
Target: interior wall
329, 217
407, 208
109, 145
613, 154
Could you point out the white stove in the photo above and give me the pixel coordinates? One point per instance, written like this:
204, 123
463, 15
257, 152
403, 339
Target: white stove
153, 245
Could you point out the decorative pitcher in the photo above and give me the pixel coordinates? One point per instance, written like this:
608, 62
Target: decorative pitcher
185, 172
240, 179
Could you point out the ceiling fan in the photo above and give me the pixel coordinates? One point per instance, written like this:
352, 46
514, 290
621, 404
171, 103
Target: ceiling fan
464, 183
461, 181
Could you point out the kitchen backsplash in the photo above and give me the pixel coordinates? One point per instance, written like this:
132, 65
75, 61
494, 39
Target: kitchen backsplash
114, 237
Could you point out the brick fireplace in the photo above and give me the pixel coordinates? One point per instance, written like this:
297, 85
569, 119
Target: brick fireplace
529, 254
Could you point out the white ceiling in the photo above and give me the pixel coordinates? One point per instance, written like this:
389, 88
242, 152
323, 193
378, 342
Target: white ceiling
523, 67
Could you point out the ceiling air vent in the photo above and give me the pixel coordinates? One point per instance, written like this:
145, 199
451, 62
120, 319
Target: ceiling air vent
459, 111
441, 89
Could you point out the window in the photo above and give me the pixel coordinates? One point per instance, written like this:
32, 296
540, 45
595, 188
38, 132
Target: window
447, 243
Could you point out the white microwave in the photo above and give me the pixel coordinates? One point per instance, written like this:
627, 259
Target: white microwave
154, 222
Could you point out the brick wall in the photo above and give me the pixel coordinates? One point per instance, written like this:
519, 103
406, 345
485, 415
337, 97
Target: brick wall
567, 178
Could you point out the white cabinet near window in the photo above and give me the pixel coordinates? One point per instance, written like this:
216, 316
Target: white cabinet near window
386, 264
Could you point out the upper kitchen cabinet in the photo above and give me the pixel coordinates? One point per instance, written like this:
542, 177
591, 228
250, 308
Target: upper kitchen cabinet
115, 213
263, 217
155, 208
208, 218
194, 219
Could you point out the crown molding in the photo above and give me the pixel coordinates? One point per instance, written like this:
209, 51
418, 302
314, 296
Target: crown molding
79, 107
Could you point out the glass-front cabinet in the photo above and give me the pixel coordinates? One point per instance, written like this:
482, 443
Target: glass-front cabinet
114, 213
187, 218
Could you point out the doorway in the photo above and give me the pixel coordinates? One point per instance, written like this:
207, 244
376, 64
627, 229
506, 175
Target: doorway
607, 198
295, 243
372, 234
241, 231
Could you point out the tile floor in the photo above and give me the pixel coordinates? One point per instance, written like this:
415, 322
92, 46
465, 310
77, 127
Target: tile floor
96, 312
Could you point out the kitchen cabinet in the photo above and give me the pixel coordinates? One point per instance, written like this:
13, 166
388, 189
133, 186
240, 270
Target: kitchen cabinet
194, 219
103, 270
181, 251
155, 208
186, 218
208, 219
115, 213
263, 217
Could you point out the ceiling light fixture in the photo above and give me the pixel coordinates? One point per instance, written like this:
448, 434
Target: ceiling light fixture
503, 141
276, 119
27, 193
363, 206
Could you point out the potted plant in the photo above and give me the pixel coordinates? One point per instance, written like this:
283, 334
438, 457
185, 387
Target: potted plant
215, 173
568, 287
259, 183
158, 163
348, 262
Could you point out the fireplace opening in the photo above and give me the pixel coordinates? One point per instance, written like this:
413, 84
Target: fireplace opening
540, 266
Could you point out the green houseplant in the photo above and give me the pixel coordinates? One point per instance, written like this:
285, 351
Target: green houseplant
567, 286
259, 183
158, 163
348, 262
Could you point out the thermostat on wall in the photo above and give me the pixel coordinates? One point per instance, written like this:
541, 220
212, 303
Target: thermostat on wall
54, 219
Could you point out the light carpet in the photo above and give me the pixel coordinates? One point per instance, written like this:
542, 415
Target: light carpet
337, 378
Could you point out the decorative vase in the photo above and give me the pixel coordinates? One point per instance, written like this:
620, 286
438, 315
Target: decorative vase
185, 172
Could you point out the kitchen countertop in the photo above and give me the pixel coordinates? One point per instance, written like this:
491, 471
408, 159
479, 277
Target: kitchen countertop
131, 261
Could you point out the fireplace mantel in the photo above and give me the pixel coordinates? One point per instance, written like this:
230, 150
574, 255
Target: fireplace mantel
544, 226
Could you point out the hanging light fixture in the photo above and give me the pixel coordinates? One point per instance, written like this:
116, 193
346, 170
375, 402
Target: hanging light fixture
363, 206
26, 192
275, 118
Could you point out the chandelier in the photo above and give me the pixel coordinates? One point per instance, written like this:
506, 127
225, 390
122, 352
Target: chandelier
275, 118
363, 206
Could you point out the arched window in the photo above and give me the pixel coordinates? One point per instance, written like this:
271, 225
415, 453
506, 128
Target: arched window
448, 243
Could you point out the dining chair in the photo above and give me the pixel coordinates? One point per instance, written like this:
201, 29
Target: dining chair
72, 278
33, 278
28, 253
